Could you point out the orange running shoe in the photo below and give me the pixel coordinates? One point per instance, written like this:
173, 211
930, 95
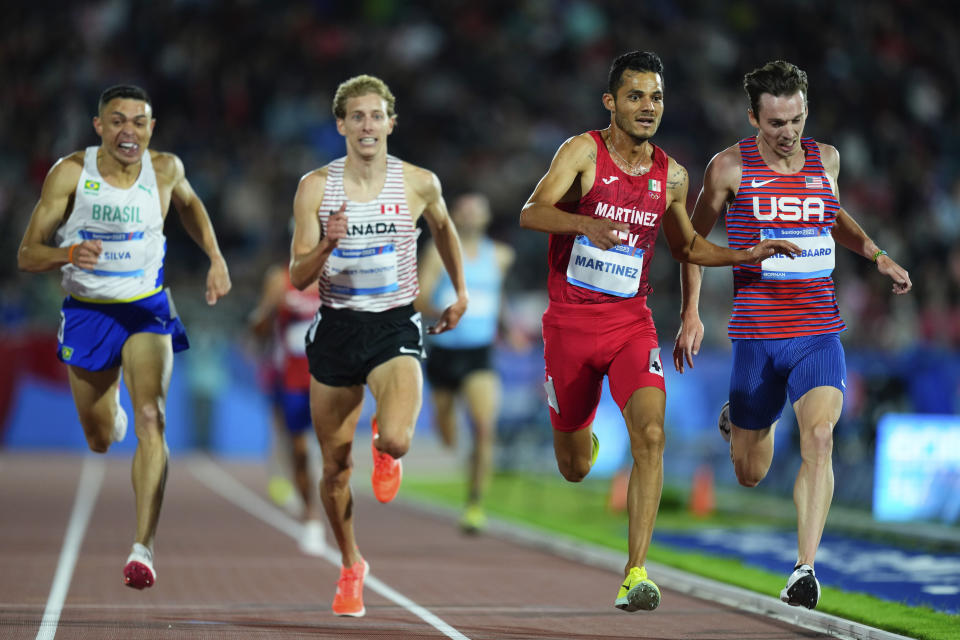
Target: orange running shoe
349, 598
387, 471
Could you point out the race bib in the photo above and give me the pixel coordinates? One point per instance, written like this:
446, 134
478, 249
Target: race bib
816, 261
124, 253
615, 271
363, 272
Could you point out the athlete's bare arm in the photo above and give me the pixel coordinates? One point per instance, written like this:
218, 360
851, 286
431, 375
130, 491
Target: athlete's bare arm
688, 246
274, 288
311, 245
195, 219
429, 271
425, 186
51, 210
848, 233
570, 175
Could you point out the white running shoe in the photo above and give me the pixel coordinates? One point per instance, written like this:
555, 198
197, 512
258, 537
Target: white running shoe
120, 422
139, 572
312, 538
803, 589
120, 425
723, 422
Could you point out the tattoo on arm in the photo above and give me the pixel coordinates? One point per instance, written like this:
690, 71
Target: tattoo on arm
677, 179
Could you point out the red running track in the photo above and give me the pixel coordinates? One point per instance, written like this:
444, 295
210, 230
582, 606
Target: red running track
228, 567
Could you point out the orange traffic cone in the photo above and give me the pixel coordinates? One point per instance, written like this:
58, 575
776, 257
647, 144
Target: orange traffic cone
702, 499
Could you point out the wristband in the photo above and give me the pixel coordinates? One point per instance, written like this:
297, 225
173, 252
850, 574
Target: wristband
880, 252
70, 253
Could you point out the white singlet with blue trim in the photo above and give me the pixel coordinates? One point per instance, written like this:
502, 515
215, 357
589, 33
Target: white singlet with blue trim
375, 267
128, 222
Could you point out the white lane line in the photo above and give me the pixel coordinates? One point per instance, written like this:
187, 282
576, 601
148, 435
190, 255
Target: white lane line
230, 488
88, 488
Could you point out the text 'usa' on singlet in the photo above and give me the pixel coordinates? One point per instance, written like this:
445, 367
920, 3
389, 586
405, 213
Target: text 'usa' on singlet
581, 273
129, 224
784, 298
294, 315
478, 326
375, 267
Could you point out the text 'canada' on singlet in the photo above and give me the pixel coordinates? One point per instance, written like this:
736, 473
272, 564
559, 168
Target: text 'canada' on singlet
582, 273
478, 326
375, 267
784, 298
128, 222
294, 315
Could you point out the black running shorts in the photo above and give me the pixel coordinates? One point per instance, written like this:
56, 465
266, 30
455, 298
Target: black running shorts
447, 368
344, 346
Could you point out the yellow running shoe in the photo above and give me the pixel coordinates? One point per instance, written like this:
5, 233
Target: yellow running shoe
638, 592
473, 520
280, 490
594, 448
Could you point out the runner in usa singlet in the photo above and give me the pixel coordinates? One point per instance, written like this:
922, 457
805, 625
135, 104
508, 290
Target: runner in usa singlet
783, 297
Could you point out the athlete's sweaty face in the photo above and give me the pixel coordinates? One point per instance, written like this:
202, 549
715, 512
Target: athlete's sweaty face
780, 120
366, 125
125, 126
638, 105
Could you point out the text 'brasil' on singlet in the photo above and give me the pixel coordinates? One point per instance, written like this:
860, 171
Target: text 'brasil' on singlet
128, 223
375, 267
580, 273
784, 298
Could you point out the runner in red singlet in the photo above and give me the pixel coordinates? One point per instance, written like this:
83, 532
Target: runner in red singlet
785, 317
283, 315
602, 201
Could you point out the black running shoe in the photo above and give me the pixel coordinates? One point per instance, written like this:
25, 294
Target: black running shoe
802, 588
723, 422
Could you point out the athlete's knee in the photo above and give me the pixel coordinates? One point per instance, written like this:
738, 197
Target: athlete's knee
648, 438
98, 442
817, 443
150, 418
95, 430
395, 442
573, 468
336, 474
749, 475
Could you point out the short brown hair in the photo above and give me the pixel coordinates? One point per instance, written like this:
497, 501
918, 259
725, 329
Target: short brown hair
778, 78
360, 86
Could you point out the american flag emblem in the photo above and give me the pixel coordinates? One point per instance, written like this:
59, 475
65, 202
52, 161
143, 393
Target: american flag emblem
814, 182
388, 209
654, 185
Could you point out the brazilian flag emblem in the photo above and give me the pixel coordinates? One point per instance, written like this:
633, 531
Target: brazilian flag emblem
91, 185
67, 352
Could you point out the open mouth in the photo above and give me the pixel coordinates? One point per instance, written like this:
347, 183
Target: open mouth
129, 147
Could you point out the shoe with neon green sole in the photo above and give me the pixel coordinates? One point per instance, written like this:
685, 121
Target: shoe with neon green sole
638, 592
473, 520
594, 448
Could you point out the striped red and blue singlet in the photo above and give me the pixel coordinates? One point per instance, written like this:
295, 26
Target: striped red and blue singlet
780, 308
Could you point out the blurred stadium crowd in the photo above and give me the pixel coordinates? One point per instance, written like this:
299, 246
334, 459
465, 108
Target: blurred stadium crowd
486, 92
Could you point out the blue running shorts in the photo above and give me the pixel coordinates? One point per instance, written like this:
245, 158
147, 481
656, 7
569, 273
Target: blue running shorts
765, 372
92, 334
296, 411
